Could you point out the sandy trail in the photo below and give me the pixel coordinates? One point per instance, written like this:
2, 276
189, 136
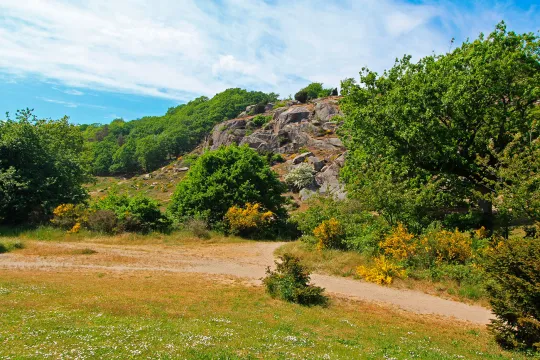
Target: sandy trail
245, 260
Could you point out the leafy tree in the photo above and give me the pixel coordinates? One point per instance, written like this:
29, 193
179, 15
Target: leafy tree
315, 90
229, 176
443, 116
151, 152
125, 159
40, 167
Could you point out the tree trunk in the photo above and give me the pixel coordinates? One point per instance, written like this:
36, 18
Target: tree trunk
487, 214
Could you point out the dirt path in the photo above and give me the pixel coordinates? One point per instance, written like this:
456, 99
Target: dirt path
246, 260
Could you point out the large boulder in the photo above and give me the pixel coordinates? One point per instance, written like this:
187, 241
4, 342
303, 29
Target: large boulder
317, 163
301, 158
292, 115
325, 112
328, 179
227, 133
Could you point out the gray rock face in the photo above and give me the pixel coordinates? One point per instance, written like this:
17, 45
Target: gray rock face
306, 194
328, 179
325, 112
227, 133
301, 158
293, 115
316, 162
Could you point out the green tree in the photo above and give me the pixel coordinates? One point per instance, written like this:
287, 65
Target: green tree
441, 117
229, 176
151, 152
40, 167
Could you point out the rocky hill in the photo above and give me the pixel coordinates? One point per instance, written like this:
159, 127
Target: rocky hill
300, 132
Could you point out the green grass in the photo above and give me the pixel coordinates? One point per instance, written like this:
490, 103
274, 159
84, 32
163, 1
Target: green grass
50, 233
160, 187
7, 245
169, 316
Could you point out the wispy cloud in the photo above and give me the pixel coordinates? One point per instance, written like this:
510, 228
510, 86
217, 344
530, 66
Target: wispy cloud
178, 49
74, 92
70, 104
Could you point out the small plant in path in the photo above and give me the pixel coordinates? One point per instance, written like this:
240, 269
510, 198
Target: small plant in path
290, 282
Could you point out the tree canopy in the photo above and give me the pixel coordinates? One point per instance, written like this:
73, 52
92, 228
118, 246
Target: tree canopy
40, 167
445, 117
229, 176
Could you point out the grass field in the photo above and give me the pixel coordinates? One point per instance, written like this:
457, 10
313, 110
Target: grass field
119, 315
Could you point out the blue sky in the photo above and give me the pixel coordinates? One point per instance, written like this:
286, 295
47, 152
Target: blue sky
98, 60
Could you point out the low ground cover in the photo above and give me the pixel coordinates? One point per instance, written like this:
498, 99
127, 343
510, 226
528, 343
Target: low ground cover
76, 315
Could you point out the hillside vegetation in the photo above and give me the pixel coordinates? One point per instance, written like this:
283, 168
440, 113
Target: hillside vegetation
148, 143
427, 174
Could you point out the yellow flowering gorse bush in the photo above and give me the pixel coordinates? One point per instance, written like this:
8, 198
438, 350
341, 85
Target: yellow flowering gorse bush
67, 216
329, 234
448, 246
383, 271
247, 219
399, 244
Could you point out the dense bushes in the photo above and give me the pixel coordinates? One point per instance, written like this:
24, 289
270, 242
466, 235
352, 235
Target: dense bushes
136, 214
112, 214
301, 96
359, 230
513, 267
290, 282
227, 177
40, 167
261, 120
313, 91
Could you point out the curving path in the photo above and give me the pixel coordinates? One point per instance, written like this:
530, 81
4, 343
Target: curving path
245, 260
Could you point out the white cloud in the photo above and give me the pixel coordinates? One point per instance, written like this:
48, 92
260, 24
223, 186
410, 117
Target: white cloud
179, 49
70, 104
74, 92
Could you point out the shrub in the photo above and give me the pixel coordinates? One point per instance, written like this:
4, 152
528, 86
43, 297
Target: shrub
300, 177
103, 221
137, 214
198, 227
261, 120
245, 221
66, 216
290, 282
400, 245
383, 272
513, 268
7, 246
220, 179
259, 108
329, 235
301, 96
362, 230
446, 246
